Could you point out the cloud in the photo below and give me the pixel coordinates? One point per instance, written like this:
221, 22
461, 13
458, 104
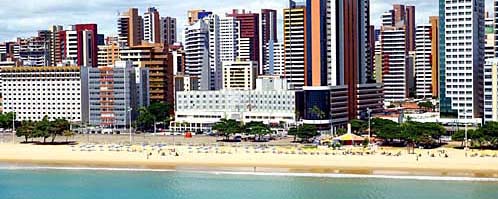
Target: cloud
24, 17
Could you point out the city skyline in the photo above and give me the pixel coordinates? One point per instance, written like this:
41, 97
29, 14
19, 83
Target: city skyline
104, 13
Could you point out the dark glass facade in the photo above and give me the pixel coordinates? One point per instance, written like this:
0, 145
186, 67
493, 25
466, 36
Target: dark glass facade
316, 104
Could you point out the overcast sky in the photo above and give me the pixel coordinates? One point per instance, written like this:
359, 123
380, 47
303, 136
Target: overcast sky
23, 18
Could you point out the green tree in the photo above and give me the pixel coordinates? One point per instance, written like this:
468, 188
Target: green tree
293, 131
306, 132
6, 120
317, 112
57, 128
358, 125
227, 128
341, 131
146, 119
26, 130
426, 105
258, 129
161, 112
42, 129
386, 129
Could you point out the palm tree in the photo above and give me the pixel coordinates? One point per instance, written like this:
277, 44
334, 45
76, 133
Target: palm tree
317, 112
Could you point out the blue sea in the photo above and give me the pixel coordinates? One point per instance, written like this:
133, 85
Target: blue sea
49, 183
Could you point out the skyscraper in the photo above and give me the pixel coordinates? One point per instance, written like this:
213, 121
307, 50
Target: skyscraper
461, 64
152, 26
168, 30
79, 45
267, 34
196, 41
130, 27
249, 30
294, 44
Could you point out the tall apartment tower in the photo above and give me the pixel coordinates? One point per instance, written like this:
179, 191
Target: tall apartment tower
79, 45
267, 34
410, 28
130, 26
249, 31
423, 65
461, 64
196, 41
490, 37
55, 50
294, 45
168, 30
152, 26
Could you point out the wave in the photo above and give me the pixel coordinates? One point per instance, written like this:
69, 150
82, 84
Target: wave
278, 174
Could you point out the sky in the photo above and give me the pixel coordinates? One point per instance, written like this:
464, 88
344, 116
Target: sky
23, 18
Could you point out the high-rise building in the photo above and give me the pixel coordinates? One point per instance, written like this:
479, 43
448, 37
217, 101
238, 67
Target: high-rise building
196, 41
294, 44
168, 30
394, 61
157, 59
79, 44
152, 26
267, 34
490, 37
35, 51
491, 90
426, 65
249, 29
130, 28
461, 64
112, 95
108, 54
229, 33
239, 75
410, 28
55, 45
275, 59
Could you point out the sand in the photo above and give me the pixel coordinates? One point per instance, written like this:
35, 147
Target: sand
242, 159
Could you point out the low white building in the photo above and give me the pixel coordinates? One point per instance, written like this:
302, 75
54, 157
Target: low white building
200, 110
35, 92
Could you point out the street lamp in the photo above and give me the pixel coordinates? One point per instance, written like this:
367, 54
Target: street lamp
369, 111
129, 119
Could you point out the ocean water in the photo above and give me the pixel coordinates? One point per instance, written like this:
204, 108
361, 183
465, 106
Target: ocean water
94, 184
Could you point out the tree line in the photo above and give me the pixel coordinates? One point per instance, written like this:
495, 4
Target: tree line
230, 127
44, 129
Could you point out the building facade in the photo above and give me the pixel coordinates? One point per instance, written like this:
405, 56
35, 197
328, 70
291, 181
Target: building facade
240, 75
462, 39
113, 95
35, 92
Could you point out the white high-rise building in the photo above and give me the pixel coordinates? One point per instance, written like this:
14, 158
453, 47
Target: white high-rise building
423, 64
394, 53
490, 38
491, 90
196, 41
464, 56
152, 26
229, 37
215, 67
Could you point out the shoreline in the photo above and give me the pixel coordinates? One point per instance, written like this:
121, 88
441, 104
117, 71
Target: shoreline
266, 172
238, 160
254, 169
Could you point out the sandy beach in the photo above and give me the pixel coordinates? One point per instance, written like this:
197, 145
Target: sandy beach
251, 158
